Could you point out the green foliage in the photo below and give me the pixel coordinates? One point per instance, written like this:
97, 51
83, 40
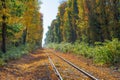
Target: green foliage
64, 47
1, 62
15, 28
108, 53
15, 53
18, 8
84, 49
102, 53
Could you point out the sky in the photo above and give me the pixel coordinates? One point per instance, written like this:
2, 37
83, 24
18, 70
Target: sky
49, 9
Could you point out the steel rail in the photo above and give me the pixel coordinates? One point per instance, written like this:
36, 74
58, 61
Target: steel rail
54, 68
81, 70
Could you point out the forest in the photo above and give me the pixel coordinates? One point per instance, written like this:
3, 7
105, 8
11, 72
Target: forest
82, 41
21, 28
87, 27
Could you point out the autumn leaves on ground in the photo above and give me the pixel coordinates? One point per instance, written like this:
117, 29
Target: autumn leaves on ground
36, 66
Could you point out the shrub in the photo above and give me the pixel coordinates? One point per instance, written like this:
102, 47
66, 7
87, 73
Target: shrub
107, 52
14, 53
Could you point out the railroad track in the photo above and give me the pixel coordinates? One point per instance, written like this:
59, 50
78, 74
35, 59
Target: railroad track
54, 68
71, 64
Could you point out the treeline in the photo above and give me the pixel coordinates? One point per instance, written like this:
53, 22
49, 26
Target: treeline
85, 20
20, 23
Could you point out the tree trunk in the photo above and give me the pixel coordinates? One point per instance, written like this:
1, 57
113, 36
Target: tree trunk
3, 29
24, 36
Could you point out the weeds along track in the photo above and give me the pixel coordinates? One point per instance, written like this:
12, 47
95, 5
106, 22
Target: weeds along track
81, 73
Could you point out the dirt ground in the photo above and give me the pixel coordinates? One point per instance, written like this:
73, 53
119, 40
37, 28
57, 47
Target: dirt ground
36, 66
67, 72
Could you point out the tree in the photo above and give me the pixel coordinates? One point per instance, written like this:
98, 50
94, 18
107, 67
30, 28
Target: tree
88, 20
21, 22
4, 26
61, 12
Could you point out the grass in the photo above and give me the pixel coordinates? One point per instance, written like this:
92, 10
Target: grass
14, 53
102, 53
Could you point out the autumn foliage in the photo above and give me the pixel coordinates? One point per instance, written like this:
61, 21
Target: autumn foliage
20, 23
85, 20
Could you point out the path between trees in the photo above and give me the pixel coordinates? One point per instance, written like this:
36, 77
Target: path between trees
36, 66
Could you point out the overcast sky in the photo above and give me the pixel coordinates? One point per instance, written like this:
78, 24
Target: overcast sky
49, 9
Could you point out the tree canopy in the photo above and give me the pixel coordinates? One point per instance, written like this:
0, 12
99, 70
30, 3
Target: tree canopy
20, 23
86, 20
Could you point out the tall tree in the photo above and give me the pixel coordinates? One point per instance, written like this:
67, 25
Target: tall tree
61, 12
4, 25
89, 20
